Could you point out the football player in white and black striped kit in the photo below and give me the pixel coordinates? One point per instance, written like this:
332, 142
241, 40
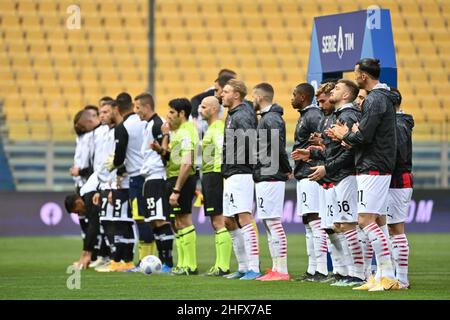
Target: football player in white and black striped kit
129, 138
153, 170
115, 212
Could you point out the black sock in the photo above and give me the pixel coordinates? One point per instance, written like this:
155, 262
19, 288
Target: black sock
164, 242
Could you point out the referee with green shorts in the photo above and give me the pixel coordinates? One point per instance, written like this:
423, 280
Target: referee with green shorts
181, 180
212, 183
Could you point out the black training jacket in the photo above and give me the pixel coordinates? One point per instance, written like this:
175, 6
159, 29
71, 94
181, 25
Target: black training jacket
241, 120
309, 122
402, 178
339, 162
375, 142
270, 120
320, 156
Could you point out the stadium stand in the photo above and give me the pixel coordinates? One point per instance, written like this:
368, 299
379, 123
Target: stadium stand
48, 71
269, 41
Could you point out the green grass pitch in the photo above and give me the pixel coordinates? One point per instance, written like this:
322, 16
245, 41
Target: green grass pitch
35, 268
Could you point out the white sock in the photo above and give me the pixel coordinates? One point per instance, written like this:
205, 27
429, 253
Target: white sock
400, 252
312, 264
380, 247
367, 251
356, 253
337, 254
320, 246
237, 238
251, 247
279, 244
269, 241
385, 230
347, 256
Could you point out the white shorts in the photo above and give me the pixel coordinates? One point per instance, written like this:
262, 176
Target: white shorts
328, 207
346, 200
398, 205
270, 199
373, 193
322, 203
238, 194
307, 197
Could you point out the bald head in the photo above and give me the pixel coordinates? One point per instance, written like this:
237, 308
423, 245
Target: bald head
209, 108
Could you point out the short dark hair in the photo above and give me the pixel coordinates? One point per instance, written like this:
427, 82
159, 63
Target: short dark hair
370, 66
104, 99
399, 103
124, 102
307, 89
229, 72
353, 87
181, 104
69, 202
91, 107
267, 89
146, 98
222, 80
112, 103
77, 117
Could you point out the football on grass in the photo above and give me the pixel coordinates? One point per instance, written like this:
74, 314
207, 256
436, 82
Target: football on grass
150, 265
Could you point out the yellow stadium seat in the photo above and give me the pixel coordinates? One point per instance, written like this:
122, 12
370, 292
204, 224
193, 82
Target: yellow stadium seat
426, 50
7, 7
435, 24
35, 112
439, 77
428, 8
444, 49
18, 131
63, 134
39, 131
442, 89
308, 8
50, 89
431, 63
14, 114
57, 115
260, 39
13, 34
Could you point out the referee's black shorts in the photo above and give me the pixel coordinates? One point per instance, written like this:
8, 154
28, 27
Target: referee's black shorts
187, 194
212, 189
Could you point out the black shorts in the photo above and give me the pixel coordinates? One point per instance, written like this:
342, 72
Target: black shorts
156, 200
121, 206
104, 203
92, 237
187, 194
212, 189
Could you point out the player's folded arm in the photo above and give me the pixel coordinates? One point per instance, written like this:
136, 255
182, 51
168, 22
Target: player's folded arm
344, 160
317, 155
